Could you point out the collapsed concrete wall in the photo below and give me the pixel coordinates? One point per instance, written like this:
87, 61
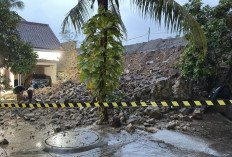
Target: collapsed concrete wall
67, 66
150, 66
149, 73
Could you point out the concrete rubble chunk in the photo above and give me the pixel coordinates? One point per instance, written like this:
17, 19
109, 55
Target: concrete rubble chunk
198, 113
116, 122
151, 130
153, 112
57, 129
3, 141
171, 125
130, 128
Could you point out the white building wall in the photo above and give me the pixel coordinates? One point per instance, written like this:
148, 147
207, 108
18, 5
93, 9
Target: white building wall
45, 54
11, 79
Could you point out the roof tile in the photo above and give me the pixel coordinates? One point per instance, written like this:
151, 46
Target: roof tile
39, 35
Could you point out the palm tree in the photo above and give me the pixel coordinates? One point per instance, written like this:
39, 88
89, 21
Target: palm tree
14, 3
175, 17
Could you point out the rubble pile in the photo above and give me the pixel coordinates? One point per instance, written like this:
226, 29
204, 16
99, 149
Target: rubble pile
150, 119
154, 76
148, 76
62, 92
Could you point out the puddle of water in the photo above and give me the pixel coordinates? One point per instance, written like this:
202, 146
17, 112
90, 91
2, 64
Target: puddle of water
186, 142
144, 148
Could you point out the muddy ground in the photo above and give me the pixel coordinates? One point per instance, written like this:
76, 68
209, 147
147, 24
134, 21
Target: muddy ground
212, 136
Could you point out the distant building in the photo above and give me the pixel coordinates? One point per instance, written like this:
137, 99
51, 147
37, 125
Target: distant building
45, 44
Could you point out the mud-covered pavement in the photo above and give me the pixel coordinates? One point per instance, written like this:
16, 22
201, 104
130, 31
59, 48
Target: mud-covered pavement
212, 138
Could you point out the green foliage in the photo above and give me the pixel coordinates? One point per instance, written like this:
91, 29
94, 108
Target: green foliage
116, 96
215, 21
14, 52
24, 60
101, 66
175, 16
13, 3
4, 81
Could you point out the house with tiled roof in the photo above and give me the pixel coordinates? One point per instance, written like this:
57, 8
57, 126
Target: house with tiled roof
45, 44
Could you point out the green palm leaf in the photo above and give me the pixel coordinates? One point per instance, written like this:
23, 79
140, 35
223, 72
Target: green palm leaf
77, 15
14, 3
115, 10
175, 16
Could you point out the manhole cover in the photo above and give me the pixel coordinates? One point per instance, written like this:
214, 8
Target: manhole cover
73, 141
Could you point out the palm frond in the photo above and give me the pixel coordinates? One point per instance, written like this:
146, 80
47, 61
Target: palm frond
17, 4
14, 3
176, 17
77, 15
115, 10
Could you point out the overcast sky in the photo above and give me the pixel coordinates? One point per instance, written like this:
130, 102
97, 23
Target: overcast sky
52, 12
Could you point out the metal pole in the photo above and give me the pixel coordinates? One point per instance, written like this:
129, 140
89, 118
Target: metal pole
19, 80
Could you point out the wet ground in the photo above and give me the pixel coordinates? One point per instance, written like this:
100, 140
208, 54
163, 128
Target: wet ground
212, 138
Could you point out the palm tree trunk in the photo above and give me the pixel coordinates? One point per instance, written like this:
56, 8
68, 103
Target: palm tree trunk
101, 97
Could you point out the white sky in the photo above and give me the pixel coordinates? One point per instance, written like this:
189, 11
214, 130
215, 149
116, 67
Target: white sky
52, 12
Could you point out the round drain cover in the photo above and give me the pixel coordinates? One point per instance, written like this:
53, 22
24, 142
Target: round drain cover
72, 141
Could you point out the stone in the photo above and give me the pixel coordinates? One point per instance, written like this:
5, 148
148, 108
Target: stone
151, 121
171, 125
130, 128
184, 111
153, 112
32, 119
173, 73
26, 118
198, 114
62, 100
92, 110
146, 124
182, 89
121, 114
151, 130
79, 118
67, 126
4, 141
57, 129
116, 122
162, 89
138, 95
185, 128
122, 119
29, 115
180, 117
132, 119
127, 78
149, 62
